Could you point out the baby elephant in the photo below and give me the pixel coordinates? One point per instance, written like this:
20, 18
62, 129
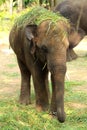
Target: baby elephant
40, 40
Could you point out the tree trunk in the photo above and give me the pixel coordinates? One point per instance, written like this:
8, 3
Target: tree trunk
40, 2
11, 6
20, 5
53, 3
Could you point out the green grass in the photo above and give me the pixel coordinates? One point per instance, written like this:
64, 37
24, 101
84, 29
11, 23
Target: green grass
73, 95
11, 65
14, 116
9, 74
79, 62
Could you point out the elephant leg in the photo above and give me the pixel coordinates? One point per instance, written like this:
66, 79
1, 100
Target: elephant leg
25, 84
40, 79
71, 55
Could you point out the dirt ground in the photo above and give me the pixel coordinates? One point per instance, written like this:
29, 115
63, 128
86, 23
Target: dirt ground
77, 69
10, 74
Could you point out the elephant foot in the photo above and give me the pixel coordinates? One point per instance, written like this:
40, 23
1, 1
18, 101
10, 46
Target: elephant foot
24, 101
60, 116
41, 107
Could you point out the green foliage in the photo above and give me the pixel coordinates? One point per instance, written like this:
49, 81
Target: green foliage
30, 1
37, 15
2, 1
6, 20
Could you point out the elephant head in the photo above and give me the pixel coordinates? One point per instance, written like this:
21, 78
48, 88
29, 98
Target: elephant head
52, 39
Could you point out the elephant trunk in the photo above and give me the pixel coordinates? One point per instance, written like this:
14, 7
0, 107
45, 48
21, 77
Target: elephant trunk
57, 77
57, 103
57, 66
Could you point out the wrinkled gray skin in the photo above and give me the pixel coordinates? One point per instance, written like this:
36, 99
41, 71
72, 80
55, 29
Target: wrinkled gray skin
76, 12
40, 50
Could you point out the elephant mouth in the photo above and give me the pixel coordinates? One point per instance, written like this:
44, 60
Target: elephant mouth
56, 68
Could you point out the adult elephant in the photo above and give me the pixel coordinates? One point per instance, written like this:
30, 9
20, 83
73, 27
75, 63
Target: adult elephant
76, 12
40, 39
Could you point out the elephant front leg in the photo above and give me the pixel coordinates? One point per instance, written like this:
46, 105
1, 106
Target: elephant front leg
25, 84
41, 91
57, 103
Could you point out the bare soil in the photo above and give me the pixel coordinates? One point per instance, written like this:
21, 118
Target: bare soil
77, 69
9, 82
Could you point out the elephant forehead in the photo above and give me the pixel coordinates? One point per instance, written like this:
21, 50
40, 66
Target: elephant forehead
49, 27
42, 28
50, 34
49, 30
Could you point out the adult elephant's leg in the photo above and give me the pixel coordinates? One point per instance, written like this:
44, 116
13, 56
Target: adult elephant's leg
71, 55
40, 85
25, 83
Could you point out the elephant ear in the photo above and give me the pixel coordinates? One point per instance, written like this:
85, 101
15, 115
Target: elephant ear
31, 33
81, 32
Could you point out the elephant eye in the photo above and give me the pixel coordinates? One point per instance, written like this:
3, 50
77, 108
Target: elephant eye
44, 49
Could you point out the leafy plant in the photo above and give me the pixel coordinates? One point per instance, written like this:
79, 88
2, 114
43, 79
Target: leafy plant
2, 1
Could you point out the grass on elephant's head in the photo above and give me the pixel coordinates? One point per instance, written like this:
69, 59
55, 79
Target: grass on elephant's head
37, 15
14, 116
